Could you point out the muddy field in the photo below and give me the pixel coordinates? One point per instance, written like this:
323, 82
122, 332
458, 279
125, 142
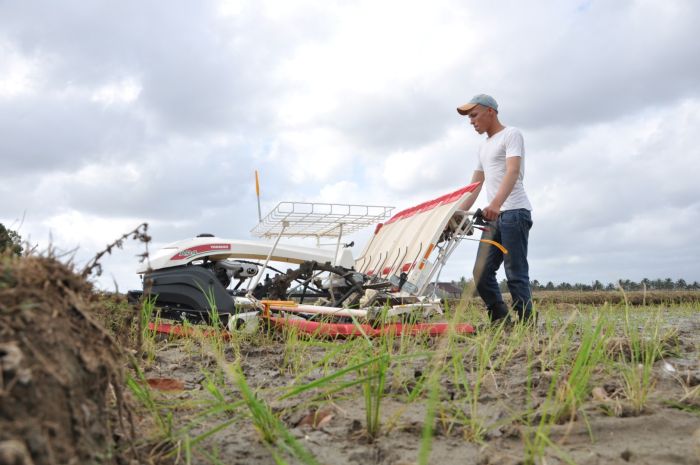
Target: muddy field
439, 405
611, 383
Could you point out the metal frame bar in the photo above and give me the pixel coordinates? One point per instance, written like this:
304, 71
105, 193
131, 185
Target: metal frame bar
253, 284
446, 251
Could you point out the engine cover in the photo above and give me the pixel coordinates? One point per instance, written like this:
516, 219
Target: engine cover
188, 288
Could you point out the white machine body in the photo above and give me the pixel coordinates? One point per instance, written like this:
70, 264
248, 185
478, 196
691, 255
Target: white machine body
188, 250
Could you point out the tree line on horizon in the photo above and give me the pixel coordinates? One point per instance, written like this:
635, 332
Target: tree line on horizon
666, 284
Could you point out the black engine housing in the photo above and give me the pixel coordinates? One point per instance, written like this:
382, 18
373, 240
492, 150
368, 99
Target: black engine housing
189, 292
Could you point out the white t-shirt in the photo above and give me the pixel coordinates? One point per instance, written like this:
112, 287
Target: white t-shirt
492, 161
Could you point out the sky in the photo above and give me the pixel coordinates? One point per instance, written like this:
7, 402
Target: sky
118, 113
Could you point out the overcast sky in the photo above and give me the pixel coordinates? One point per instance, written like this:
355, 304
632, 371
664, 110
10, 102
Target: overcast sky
115, 113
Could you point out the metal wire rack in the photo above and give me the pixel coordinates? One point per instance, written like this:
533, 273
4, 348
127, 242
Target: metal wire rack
305, 219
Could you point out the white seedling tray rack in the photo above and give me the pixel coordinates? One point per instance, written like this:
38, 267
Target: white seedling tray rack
319, 220
306, 219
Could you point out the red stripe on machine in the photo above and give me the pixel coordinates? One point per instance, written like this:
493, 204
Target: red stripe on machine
429, 205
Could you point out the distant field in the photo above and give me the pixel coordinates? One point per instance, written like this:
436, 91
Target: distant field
617, 297
543, 298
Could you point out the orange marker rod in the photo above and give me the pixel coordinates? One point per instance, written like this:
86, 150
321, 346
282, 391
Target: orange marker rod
257, 193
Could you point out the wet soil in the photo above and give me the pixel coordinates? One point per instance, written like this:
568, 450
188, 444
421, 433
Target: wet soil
605, 430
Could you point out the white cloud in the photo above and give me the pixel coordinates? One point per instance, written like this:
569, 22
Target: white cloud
123, 91
315, 154
18, 73
445, 164
85, 231
341, 192
112, 114
379, 44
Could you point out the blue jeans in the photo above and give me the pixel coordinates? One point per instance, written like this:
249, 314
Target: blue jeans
511, 229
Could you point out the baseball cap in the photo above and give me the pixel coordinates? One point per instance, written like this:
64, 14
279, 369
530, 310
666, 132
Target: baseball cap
480, 99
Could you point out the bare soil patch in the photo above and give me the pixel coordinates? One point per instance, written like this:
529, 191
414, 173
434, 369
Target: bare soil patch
605, 429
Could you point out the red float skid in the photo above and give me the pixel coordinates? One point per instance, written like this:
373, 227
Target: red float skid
339, 330
329, 330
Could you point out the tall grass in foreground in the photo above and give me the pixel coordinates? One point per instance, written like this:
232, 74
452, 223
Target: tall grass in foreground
571, 370
365, 363
147, 338
141, 391
645, 347
575, 386
538, 421
373, 389
217, 335
436, 367
426, 442
479, 357
296, 351
368, 370
271, 429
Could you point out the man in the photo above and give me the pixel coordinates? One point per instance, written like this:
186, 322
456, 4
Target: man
500, 169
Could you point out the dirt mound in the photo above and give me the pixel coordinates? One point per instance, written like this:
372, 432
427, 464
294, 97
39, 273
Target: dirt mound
60, 372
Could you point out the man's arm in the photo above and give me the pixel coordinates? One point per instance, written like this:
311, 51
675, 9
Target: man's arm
512, 172
478, 176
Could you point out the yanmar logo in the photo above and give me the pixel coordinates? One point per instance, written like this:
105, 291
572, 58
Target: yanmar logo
200, 249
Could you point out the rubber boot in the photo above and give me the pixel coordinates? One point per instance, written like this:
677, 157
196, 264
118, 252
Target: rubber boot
525, 315
498, 311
